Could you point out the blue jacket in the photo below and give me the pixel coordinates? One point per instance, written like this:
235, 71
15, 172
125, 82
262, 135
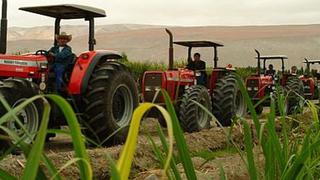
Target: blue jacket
64, 57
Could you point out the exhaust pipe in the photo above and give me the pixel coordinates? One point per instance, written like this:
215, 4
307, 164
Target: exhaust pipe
3, 31
258, 56
170, 49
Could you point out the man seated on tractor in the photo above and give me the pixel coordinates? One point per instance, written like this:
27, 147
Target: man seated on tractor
270, 70
62, 56
200, 67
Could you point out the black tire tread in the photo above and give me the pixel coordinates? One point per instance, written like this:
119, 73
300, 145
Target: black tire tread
294, 88
223, 98
13, 90
97, 123
188, 110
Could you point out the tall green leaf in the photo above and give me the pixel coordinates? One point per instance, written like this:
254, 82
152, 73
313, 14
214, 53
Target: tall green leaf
180, 141
77, 138
33, 160
249, 150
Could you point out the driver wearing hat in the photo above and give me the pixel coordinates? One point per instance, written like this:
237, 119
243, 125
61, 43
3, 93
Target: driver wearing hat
62, 55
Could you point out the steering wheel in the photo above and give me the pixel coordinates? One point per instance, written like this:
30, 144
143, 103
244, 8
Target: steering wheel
42, 52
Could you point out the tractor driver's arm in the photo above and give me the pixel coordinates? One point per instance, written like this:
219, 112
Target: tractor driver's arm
62, 57
52, 50
191, 65
270, 72
202, 66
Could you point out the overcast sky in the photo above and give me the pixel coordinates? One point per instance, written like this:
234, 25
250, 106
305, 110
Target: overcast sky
182, 12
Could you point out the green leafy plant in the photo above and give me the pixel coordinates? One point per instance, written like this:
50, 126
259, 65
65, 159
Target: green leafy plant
34, 154
173, 126
283, 158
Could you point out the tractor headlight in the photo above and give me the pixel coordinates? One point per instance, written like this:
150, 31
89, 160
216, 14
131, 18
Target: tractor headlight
85, 56
157, 88
249, 88
256, 88
147, 88
152, 88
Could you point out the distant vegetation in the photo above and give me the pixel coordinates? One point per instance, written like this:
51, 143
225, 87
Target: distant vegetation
138, 68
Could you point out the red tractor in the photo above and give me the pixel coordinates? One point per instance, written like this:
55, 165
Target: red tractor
262, 84
311, 83
101, 90
219, 94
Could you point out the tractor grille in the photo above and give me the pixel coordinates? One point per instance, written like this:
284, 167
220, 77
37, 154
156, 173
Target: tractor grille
253, 88
152, 83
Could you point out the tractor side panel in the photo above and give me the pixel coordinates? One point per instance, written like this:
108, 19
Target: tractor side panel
215, 75
84, 67
23, 66
79, 70
180, 78
267, 80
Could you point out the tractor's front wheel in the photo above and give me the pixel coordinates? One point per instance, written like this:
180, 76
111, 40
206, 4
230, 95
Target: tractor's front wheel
192, 117
110, 100
227, 100
16, 91
294, 89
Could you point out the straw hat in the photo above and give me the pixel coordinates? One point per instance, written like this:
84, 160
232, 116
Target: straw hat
64, 35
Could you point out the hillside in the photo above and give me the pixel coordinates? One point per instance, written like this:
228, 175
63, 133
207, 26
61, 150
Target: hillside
149, 43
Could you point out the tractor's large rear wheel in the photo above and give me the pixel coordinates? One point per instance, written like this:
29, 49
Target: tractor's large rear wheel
16, 91
110, 101
294, 89
227, 100
192, 117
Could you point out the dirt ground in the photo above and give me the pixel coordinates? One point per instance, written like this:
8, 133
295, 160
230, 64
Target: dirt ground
145, 163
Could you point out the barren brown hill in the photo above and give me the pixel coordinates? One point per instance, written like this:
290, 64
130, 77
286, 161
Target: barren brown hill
149, 43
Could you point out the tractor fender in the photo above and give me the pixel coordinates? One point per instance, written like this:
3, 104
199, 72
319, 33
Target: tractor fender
84, 68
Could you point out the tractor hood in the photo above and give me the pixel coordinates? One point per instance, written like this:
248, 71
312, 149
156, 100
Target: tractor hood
26, 59
22, 66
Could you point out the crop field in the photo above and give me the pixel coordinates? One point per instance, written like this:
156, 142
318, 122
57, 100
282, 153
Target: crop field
262, 146
176, 90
